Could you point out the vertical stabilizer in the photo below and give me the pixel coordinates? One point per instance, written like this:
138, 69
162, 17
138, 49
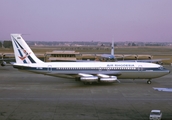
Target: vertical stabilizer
23, 53
112, 47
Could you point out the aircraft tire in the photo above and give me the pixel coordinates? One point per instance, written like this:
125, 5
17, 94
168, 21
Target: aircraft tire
149, 82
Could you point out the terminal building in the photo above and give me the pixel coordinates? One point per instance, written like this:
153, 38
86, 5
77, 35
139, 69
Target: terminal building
55, 56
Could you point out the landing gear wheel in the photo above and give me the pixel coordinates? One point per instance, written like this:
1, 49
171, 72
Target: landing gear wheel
149, 82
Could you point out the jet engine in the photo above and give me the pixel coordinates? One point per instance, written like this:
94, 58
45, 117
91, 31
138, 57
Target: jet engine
86, 78
107, 78
89, 79
3, 63
110, 79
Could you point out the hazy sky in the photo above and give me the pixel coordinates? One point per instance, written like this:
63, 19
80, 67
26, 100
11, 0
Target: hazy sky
87, 20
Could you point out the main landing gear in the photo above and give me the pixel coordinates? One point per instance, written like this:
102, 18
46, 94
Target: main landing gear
149, 81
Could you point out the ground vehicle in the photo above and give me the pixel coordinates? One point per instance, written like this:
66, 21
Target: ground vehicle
155, 115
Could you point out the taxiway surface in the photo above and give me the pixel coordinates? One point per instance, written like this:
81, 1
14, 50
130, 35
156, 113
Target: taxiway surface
28, 96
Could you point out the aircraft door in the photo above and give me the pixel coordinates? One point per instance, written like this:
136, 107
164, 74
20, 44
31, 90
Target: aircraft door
49, 68
140, 68
100, 69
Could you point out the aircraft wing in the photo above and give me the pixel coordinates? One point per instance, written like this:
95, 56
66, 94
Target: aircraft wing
89, 76
108, 56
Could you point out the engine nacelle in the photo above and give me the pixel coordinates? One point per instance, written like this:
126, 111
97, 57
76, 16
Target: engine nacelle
89, 79
110, 79
3, 63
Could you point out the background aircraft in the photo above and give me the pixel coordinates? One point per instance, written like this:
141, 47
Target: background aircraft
109, 56
112, 57
7, 61
3, 62
9, 57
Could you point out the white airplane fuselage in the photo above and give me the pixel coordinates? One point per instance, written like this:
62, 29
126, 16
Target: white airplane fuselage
126, 70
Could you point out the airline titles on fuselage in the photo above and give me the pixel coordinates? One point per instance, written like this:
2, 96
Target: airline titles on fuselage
120, 65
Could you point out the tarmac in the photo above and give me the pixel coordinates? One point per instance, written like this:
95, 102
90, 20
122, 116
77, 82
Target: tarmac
29, 96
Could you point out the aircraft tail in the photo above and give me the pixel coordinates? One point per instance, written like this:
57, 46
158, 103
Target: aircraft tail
112, 48
23, 53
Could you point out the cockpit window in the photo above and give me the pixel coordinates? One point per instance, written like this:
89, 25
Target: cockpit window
18, 38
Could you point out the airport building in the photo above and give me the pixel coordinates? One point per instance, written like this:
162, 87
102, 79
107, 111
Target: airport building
61, 56
67, 56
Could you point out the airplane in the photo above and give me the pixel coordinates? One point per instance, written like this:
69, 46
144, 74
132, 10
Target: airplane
4, 61
112, 57
109, 56
87, 72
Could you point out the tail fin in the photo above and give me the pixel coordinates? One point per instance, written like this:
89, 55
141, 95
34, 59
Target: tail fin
112, 47
23, 53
